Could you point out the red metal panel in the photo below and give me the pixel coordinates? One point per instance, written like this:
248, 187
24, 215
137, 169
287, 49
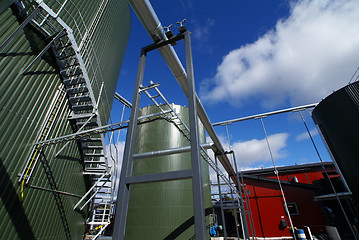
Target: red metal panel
268, 207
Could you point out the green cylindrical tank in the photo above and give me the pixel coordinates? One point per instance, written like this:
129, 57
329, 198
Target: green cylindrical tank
26, 100
164, 210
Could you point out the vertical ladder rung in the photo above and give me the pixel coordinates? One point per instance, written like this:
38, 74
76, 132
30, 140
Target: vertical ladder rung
152, 97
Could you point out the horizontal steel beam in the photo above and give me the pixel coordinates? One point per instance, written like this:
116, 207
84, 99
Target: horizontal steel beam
55, 191
123, 100
98, 130
263, 115
231, 208
160, 177
153, 85
169, 151
332, 196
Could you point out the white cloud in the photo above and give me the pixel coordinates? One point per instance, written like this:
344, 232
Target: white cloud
250, 154
115, 154
305, 135
302, 60
202, 31
186, 4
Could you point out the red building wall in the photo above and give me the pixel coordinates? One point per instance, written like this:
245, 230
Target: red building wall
267, 205
267, 208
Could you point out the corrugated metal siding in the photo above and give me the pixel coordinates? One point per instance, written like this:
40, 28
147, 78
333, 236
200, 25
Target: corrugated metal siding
104, 52
25, 101
337, 117
5, 4
110, 68
164, 210
353, 92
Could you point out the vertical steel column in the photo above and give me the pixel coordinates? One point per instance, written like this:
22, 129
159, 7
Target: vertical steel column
198, 202
234, 208
243, 213
126, 171
221, 202
249, 209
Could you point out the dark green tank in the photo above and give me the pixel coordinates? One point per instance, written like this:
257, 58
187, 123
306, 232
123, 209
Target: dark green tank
337, 118
164, 210
36, 102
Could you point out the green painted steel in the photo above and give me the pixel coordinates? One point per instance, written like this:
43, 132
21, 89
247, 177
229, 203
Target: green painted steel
26, 101
163, 210
4, 4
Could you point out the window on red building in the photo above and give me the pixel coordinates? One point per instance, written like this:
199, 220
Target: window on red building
292, 208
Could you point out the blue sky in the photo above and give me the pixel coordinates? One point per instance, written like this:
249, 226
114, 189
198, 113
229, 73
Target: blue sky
252, 57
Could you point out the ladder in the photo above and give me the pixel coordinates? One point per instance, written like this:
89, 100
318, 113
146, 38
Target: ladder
182, 127
237, 206
84, 109
30, 165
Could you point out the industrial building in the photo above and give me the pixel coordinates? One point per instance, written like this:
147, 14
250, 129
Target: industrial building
59, 69
308, 195
320, 198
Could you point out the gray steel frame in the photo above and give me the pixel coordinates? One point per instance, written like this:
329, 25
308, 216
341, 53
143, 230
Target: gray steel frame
195, 173
186, 132
199, 214
263, 115
221, 202
102, 129
169, 151
242, 212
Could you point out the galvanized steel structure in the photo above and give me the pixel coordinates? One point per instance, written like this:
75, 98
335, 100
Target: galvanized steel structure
59, 70
166, 207
147, 16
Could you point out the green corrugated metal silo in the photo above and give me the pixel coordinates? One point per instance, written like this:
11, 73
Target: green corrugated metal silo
34, 106
5, 4
163, 210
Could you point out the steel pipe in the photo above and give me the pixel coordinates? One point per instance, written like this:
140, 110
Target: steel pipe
263, 115
153, 26
169, 151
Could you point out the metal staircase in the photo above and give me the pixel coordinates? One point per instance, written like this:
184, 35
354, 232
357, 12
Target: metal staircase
84, 109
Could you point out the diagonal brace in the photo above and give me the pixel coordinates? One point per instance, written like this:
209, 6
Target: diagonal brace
42, 52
